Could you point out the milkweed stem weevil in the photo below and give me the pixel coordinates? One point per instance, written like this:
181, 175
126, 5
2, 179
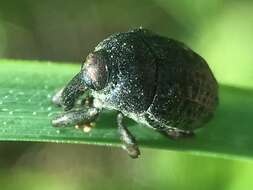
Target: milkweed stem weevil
151, 79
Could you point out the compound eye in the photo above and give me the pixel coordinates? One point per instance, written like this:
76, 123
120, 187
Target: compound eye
95, 72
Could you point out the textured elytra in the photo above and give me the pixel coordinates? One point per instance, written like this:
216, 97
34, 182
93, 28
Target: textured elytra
158, 81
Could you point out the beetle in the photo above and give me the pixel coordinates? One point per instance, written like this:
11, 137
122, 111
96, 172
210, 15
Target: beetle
154, 80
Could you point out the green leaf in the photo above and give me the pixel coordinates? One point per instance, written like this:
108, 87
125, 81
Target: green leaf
26, 112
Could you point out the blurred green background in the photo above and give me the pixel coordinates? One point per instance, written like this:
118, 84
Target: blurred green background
219, 30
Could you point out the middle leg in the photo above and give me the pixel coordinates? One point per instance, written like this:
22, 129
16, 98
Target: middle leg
129, 142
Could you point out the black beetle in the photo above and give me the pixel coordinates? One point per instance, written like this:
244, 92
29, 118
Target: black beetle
156, 81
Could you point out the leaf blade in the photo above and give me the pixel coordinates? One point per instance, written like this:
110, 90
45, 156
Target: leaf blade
26, 112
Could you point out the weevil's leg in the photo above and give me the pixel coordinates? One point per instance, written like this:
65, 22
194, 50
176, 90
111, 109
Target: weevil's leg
76, 117
176, 133
129, 142
67, 96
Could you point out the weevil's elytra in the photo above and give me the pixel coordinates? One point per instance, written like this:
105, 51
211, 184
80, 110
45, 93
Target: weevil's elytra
156, 81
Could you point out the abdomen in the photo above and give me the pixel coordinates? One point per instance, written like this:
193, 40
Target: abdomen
187, 92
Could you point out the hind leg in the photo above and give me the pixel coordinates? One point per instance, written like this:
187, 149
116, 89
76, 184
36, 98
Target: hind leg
175, 133
169, 131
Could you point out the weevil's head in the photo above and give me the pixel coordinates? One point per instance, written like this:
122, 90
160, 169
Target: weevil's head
95, 71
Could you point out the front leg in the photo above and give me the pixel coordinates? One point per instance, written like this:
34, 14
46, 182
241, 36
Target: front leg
76, 116
128, 140
67, 96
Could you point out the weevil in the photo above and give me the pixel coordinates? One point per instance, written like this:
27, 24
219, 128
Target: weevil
156, 81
